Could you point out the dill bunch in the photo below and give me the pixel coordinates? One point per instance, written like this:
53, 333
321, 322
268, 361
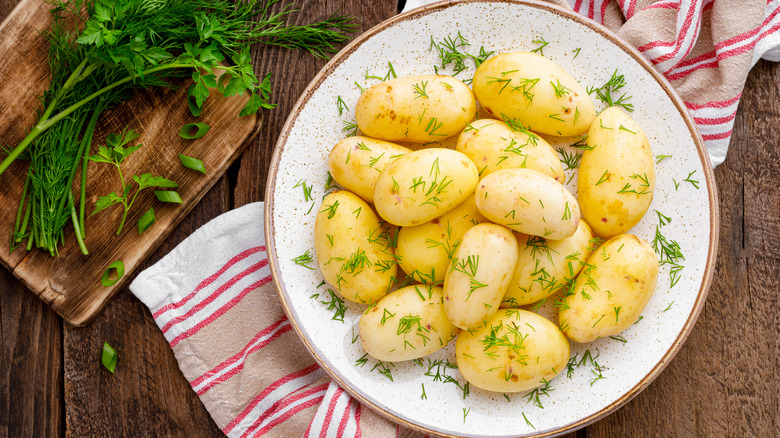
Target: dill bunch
97, 59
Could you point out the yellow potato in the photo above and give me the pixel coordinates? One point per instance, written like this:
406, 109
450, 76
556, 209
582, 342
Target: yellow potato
611, 291
423, 185
528, 201
355, 163
534, 91
492, 145
353, 248
407, 324
516, 350
424, 251
617, 176
421, 109
479, 274
544, 266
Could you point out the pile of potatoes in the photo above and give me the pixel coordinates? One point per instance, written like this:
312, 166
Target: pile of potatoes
488, 227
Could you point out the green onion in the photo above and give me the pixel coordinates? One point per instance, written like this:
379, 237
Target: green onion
108, 357
192, 163
168, 196
192, 102
117, 266
146, 221
186, 130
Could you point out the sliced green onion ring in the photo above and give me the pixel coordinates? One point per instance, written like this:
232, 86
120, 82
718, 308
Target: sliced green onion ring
117, 266
168, 196
186, 130
195, 110
108, 357
146, 221
192, 163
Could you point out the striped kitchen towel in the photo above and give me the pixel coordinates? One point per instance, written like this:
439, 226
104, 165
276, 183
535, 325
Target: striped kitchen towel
214, 300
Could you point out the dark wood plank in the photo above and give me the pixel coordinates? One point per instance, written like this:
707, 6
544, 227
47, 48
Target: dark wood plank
148, 395
291, 72
30, 363
723, 381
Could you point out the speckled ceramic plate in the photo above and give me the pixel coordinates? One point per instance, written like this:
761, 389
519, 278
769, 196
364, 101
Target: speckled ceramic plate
591, 54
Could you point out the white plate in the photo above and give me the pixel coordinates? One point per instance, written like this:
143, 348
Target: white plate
315, 126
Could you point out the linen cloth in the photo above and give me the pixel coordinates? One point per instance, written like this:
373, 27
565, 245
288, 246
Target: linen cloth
215, 302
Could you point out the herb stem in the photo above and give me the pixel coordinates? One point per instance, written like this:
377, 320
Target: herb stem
76, 229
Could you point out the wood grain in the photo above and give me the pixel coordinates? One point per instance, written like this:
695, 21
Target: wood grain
70, 283
723, 383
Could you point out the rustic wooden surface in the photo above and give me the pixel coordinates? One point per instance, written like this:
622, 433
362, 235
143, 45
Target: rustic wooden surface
70, 283
723, 382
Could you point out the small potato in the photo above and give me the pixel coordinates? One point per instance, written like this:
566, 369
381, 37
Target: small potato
610, 293
492, 145
356, 162
617, 176
516, 350
544, 266
421, 109
406, 324
535, 91
424, 251
423, 185
528, 201
353, 248
479, 274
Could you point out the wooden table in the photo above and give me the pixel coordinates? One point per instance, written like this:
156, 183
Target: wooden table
723, 382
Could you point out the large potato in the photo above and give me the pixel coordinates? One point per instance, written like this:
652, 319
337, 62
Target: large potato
492, 145
544, 266
535, 91
479, 274
516, 350
421, 109
611, 291
528, 201
424, 251
423, 185
353, 248
617, 176
407, 324
356, 162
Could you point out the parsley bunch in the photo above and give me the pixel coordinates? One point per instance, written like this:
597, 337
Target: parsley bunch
98, 59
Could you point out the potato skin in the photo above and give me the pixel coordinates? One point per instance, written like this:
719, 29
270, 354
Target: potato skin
355, 163
544, 266
421, 109
423, 185
624, 270
536, 350
529, 202
522, 86
406, 324
479, 274
353, 250
617, 176
425, 250
492, 145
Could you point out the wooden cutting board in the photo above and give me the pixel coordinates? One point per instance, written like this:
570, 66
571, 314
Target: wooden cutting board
70, 283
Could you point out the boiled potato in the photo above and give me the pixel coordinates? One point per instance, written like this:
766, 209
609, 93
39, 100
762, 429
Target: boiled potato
617, 176
516, 350
421, 109
424, 251
611, 291
528, 201
356, 162
406, 324
544, 266
479, 274
353, 248
423, 185
534, 91
492, 145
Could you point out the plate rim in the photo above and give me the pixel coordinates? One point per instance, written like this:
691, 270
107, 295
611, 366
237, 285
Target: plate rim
709, 268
